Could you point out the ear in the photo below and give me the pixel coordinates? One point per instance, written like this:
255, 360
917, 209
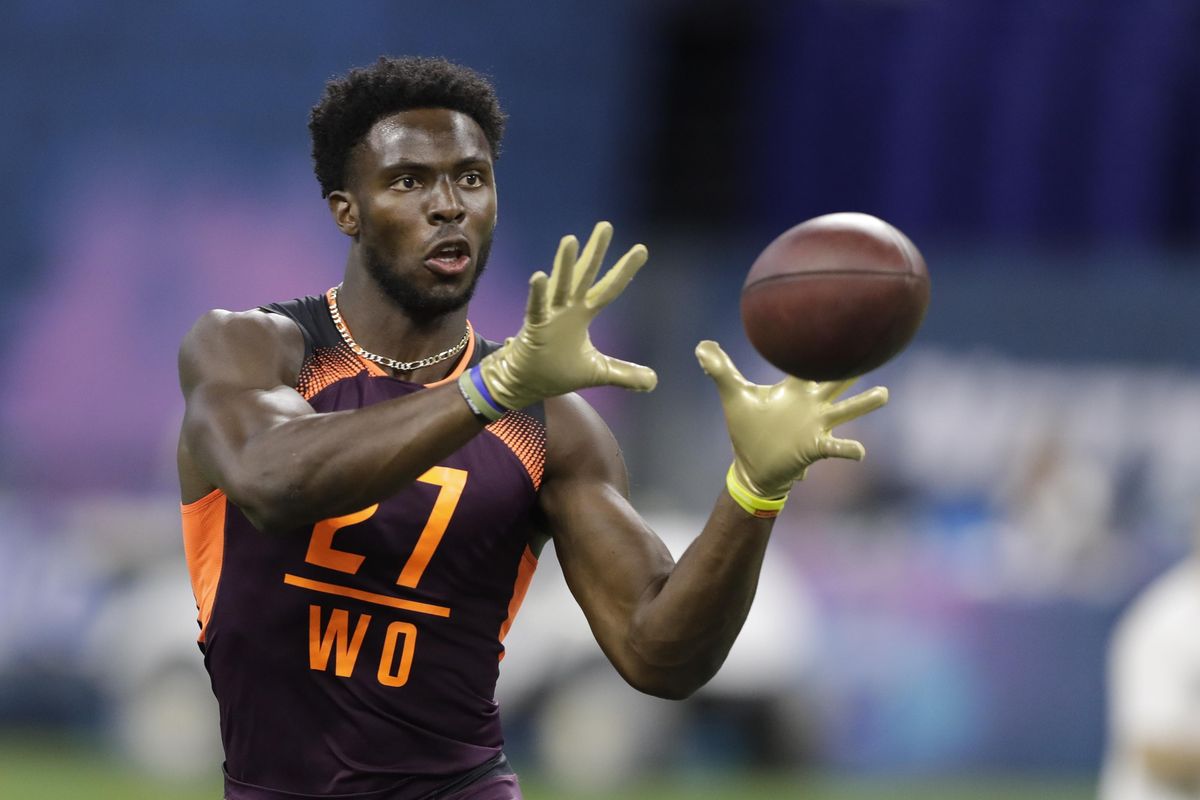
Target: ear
344, 208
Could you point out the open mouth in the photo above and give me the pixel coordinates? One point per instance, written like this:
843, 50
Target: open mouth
449, 258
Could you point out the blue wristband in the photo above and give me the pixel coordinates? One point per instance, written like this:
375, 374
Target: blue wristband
480, 402
477, 380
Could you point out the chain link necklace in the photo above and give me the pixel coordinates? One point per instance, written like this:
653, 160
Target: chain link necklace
399, 366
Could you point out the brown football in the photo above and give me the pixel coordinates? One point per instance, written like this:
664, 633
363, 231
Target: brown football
835, 297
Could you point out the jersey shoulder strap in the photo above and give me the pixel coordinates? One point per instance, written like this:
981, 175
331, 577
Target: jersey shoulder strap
311, 315
327, 359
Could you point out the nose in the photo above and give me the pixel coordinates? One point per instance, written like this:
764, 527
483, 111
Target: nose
445, 205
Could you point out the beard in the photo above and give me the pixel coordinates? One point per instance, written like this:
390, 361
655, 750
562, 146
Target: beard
423, 306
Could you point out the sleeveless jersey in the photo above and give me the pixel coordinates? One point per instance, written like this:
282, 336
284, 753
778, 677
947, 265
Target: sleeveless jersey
358, 657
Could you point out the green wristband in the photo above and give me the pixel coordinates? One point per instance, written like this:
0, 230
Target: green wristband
483, 410
754, 504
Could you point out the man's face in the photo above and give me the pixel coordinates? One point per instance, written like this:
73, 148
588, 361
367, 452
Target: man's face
426, 198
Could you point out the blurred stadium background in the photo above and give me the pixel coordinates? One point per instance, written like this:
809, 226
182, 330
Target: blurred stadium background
933, 622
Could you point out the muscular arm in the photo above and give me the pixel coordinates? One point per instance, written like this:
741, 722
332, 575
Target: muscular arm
666, 627
247, 431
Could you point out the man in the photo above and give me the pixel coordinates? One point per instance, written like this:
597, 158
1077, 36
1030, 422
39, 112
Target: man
1154, 691
367, 482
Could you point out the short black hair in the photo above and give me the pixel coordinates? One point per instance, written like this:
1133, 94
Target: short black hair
352, 103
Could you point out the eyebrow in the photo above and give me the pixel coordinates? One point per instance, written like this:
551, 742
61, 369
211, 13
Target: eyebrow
404, 163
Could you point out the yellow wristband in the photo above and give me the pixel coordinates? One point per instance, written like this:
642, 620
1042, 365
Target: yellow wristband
755, 505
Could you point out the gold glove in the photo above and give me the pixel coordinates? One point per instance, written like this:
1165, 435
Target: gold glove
552, 354
778, 431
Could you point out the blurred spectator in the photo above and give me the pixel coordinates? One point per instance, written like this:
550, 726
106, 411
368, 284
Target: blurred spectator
1154, 691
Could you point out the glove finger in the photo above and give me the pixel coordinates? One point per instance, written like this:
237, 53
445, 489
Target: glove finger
609, 287
829, 447
591, 259
856, 406
535, 308
719, 366
629, 375
564, 270
831, 389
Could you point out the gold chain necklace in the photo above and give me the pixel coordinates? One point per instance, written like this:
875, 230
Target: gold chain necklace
399, 366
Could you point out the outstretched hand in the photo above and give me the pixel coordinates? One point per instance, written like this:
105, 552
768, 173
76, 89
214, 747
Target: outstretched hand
778, 431
553, 354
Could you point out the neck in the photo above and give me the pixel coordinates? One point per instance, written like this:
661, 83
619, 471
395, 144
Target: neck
380, 326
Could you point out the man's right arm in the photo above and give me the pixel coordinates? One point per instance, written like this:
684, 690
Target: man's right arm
247, 431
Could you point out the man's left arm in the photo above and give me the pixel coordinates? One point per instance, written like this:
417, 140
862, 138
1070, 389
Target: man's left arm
668, 627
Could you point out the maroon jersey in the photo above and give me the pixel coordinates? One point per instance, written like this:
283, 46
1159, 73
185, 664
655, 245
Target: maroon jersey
358, 657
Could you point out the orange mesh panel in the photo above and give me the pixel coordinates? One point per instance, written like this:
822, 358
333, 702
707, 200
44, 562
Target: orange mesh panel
204, 548
524, 576
526, 437
325, 366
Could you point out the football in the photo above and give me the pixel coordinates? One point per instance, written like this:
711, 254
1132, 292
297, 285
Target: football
835, 297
